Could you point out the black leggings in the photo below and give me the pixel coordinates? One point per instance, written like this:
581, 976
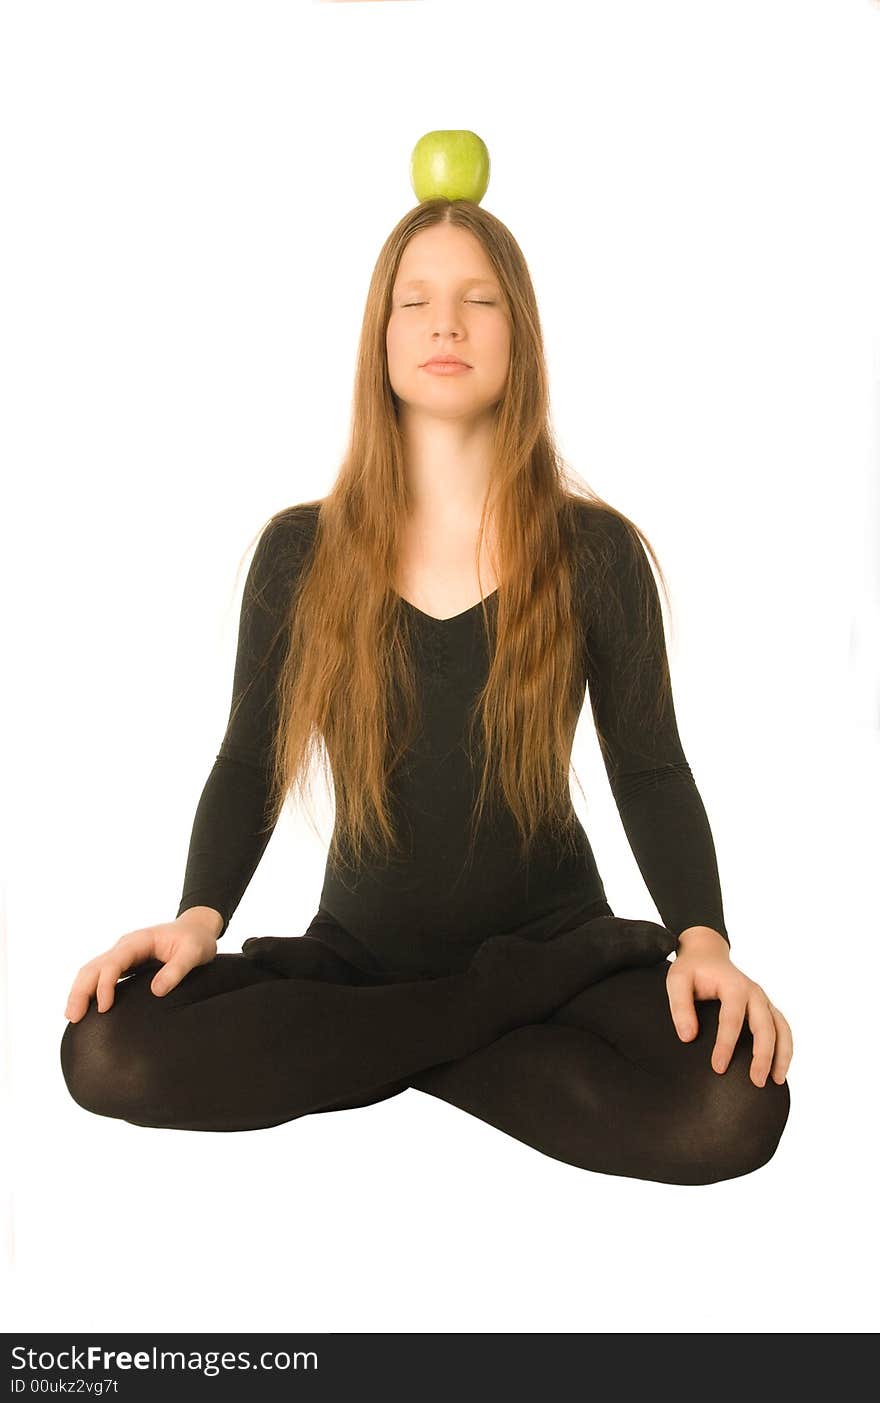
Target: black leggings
566, 1044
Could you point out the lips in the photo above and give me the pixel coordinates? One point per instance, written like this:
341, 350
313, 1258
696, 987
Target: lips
445, 367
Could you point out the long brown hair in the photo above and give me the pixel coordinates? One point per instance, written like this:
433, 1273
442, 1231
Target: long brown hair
346, 694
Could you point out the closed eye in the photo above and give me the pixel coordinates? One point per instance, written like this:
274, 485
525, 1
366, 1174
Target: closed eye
475, 300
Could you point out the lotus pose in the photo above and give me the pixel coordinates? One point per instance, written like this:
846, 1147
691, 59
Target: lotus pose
429, 631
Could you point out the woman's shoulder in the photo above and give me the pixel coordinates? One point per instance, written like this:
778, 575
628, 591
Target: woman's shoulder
604, 538
289, 531
300, 520
283, 542
598, 518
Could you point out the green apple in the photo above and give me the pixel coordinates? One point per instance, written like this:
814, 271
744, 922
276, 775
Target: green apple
450, 163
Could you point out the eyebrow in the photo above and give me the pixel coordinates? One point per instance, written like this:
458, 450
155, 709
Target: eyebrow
426, 282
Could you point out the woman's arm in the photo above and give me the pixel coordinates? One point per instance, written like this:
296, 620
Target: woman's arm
666, 823
226, 843
229, 833
657, 798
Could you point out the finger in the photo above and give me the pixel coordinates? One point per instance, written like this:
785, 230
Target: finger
169, 976
73, 1007
681, 1005
730, 1021
131, 948
109, 973
81, 991
784, 1046
763, 1028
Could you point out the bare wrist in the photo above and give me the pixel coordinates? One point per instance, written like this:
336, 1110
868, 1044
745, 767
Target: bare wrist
703, 938
202, 918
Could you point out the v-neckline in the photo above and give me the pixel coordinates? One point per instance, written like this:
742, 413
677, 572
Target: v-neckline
451, 618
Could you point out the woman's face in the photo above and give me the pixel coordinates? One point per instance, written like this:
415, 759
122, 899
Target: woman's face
447, 301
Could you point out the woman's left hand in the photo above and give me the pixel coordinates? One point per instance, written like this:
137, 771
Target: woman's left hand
703, 969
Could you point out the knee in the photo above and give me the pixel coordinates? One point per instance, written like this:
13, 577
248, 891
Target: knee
102, 1067
79, 1068
735, 1126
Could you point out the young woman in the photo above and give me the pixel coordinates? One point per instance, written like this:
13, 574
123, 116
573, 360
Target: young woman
430, 629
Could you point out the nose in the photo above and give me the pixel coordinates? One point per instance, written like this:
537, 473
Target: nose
448, 322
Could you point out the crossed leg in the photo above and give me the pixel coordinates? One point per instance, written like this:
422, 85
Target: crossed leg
567, 1046
606, 1084
291, 1027
237, 1045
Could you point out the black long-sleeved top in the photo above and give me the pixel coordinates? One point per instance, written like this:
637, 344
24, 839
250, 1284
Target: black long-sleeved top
428, 912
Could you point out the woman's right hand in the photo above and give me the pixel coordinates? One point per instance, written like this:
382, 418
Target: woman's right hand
180, 945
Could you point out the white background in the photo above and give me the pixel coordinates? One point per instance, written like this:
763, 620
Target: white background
194, 197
